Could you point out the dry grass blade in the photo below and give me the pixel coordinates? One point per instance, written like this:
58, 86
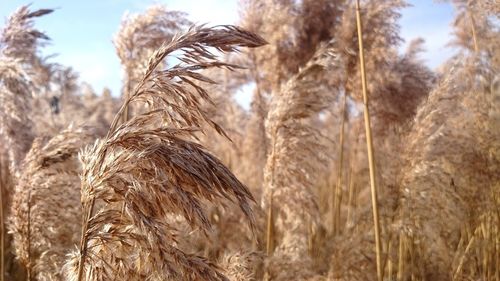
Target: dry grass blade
151, 167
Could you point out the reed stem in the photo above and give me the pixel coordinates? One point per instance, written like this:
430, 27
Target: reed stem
350, 198
270, 230
401, 257
473, 28
83, 242
126, 95
369, 143
2, 234
389, 261
28, 267
466, 251
270, 226
338, 186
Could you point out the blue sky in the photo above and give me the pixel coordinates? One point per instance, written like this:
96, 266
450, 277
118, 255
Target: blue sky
81, 31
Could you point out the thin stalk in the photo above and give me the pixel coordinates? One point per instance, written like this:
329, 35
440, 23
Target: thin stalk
126, 95
310, 238
338, 187
270, 225
369, 144
457, 251
270, 228
411, 251
467, 249
29, 238
389, 261
126, 115
497, 250
2, 234
484, 250
83, 241
353, 195
401, 257
473, 28
350, 197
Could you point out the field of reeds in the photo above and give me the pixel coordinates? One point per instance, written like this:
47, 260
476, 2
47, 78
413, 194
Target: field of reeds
354, 162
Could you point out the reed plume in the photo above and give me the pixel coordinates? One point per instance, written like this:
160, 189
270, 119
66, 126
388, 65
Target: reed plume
139, 36
15, 102
19, 42
451, 166
294, 159
163, 193
151, 168
294, 29
19, 38
474, 21
46, 208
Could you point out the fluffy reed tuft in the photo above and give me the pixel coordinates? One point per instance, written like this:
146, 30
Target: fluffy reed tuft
240, 266
139, 36
151, 168
450, 164
296, 155
19, 42
19, 38
46, 205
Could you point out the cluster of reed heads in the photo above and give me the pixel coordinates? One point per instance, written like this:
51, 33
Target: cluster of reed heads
355, 161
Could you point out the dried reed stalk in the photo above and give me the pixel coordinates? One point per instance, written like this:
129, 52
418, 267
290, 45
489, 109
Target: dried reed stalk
337, 193
353, 189
369, 144
473, 29
389, 261
2, 226
6, 185
350, 197
157, 171
472, 240
29, 257
401, 257
270, 227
